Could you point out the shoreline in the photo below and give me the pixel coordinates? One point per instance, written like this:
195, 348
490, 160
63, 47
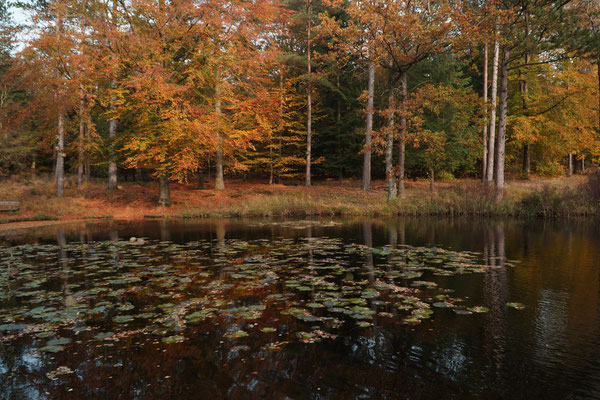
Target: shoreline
556, 198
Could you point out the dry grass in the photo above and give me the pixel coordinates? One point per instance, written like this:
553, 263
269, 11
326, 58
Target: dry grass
542, 197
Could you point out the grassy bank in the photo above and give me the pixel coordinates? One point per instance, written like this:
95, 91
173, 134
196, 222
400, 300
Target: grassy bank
549, 198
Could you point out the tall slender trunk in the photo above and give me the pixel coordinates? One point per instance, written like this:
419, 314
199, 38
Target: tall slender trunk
338, 123
366, 180
200, 179
389, 167
81, 140
164, 193
431, 178
524, 93
88, 167
282, 126
500, 156
403, 129
60, 145
60, 156
219, 182
112, 133
492, 129
55, 162
485, 104
309, 102
271, 163
582, 165
570, 164
526, 161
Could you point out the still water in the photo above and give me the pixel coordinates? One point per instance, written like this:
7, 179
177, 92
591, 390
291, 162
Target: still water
325, 309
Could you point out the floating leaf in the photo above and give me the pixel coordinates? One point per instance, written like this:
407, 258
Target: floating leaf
516, 306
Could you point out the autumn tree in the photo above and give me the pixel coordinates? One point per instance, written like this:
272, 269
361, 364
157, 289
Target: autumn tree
400, 35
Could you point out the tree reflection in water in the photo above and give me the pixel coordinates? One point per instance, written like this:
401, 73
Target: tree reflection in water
451, 356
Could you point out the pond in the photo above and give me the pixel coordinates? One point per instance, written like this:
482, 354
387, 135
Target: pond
301, 309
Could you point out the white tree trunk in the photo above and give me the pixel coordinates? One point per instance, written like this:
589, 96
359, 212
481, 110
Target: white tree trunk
500, 157
366, 180
492, 128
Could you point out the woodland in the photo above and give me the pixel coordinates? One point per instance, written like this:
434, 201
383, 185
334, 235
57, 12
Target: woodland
289, 91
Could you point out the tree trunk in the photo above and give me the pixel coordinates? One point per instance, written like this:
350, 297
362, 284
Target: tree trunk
485, 101
366, 180
403, 128
54, 162
88, 167
526, 161
80, 141
524, 93
112, 133
138, 175
281, 128
389, 167
570, 164
431, 179
500, 156
219, 182
309, 103
200, 180
164, 193
492, 128
60, 156
270, 163
582, 165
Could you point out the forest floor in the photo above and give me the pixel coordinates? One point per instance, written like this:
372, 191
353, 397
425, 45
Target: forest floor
539, 196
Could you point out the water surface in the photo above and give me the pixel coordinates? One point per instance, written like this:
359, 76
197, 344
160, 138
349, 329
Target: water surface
366, 309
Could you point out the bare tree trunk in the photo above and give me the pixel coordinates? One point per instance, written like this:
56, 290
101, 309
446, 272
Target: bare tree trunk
60, 146
309, 102
492, 129
200, 179
582, 165
219, 182
88, 167
54, 163
60, 156
500, 156
112, 133
366, 180
282, 127
570, 164
270, 163
524, 93
80, 141
164, 193
485, 105
526, 161
403, 128
389, 167
431, 179
138, 175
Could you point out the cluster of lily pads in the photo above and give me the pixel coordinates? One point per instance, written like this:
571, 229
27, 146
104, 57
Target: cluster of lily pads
304, 290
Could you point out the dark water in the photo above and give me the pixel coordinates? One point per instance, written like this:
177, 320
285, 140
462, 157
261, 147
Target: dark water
296, 310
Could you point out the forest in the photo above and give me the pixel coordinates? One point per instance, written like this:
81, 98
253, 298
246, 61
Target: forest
299, 199
288, 91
